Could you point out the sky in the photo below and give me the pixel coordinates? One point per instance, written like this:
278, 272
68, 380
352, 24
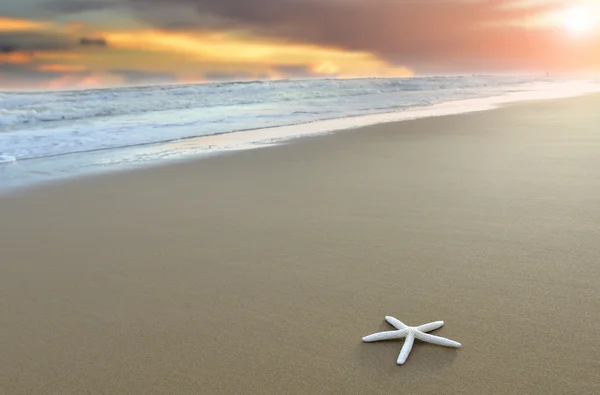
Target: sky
96, 43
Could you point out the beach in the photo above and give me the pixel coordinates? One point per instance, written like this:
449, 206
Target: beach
259, 271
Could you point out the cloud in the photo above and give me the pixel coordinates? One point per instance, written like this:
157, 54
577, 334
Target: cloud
21, 25
451, 33
35, 41
295, 71
220, 76
251, 52
15, 57
7, 48
251, 39
139, 56
28, 74
136, 77
61, 68
54, 76
93, 42
78, 6
516, 4
18, 34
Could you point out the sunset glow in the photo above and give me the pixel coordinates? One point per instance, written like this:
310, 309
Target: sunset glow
20, 25
62, 41
578, 20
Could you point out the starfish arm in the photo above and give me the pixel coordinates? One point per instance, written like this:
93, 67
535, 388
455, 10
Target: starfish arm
396, 322
406, 348
375, 337
431, 326
440, 341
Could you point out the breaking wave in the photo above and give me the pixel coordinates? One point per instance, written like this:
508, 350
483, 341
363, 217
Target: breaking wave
45, 124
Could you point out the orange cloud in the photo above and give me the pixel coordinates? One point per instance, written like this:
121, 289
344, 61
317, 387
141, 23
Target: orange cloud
19, 57
56, 55
226, 49
18, 24
63, 81
75, 81
61, 68
325, 67
187, 56
74, 27
15, 57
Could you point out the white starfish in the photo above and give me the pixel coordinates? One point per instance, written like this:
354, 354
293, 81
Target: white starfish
411, 332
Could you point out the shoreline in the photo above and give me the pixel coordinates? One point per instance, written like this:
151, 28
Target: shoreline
260, 272
39, 172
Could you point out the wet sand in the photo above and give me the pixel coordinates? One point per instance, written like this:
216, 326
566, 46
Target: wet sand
259, 272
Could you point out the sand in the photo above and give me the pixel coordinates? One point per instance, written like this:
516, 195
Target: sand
259, 272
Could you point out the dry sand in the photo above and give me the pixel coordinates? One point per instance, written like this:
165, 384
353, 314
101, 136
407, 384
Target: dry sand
259, 272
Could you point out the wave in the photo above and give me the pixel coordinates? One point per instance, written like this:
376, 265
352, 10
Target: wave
47, 124
7, 159
42, 107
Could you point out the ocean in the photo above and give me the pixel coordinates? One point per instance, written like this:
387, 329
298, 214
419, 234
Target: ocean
50, 135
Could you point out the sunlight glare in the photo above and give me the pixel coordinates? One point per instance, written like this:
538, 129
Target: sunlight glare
578, 20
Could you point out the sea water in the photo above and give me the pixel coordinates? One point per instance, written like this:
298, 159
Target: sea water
48, 135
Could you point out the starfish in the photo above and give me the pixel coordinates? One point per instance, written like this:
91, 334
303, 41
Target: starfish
411, 332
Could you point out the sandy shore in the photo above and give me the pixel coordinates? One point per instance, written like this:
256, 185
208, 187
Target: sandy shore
259, 272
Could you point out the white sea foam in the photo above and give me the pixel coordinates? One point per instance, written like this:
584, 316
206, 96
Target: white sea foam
241, 140
41, 124
39, 107
7, 159
59, 127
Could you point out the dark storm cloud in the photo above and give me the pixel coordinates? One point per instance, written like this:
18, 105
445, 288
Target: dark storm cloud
136, 77
34, 41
